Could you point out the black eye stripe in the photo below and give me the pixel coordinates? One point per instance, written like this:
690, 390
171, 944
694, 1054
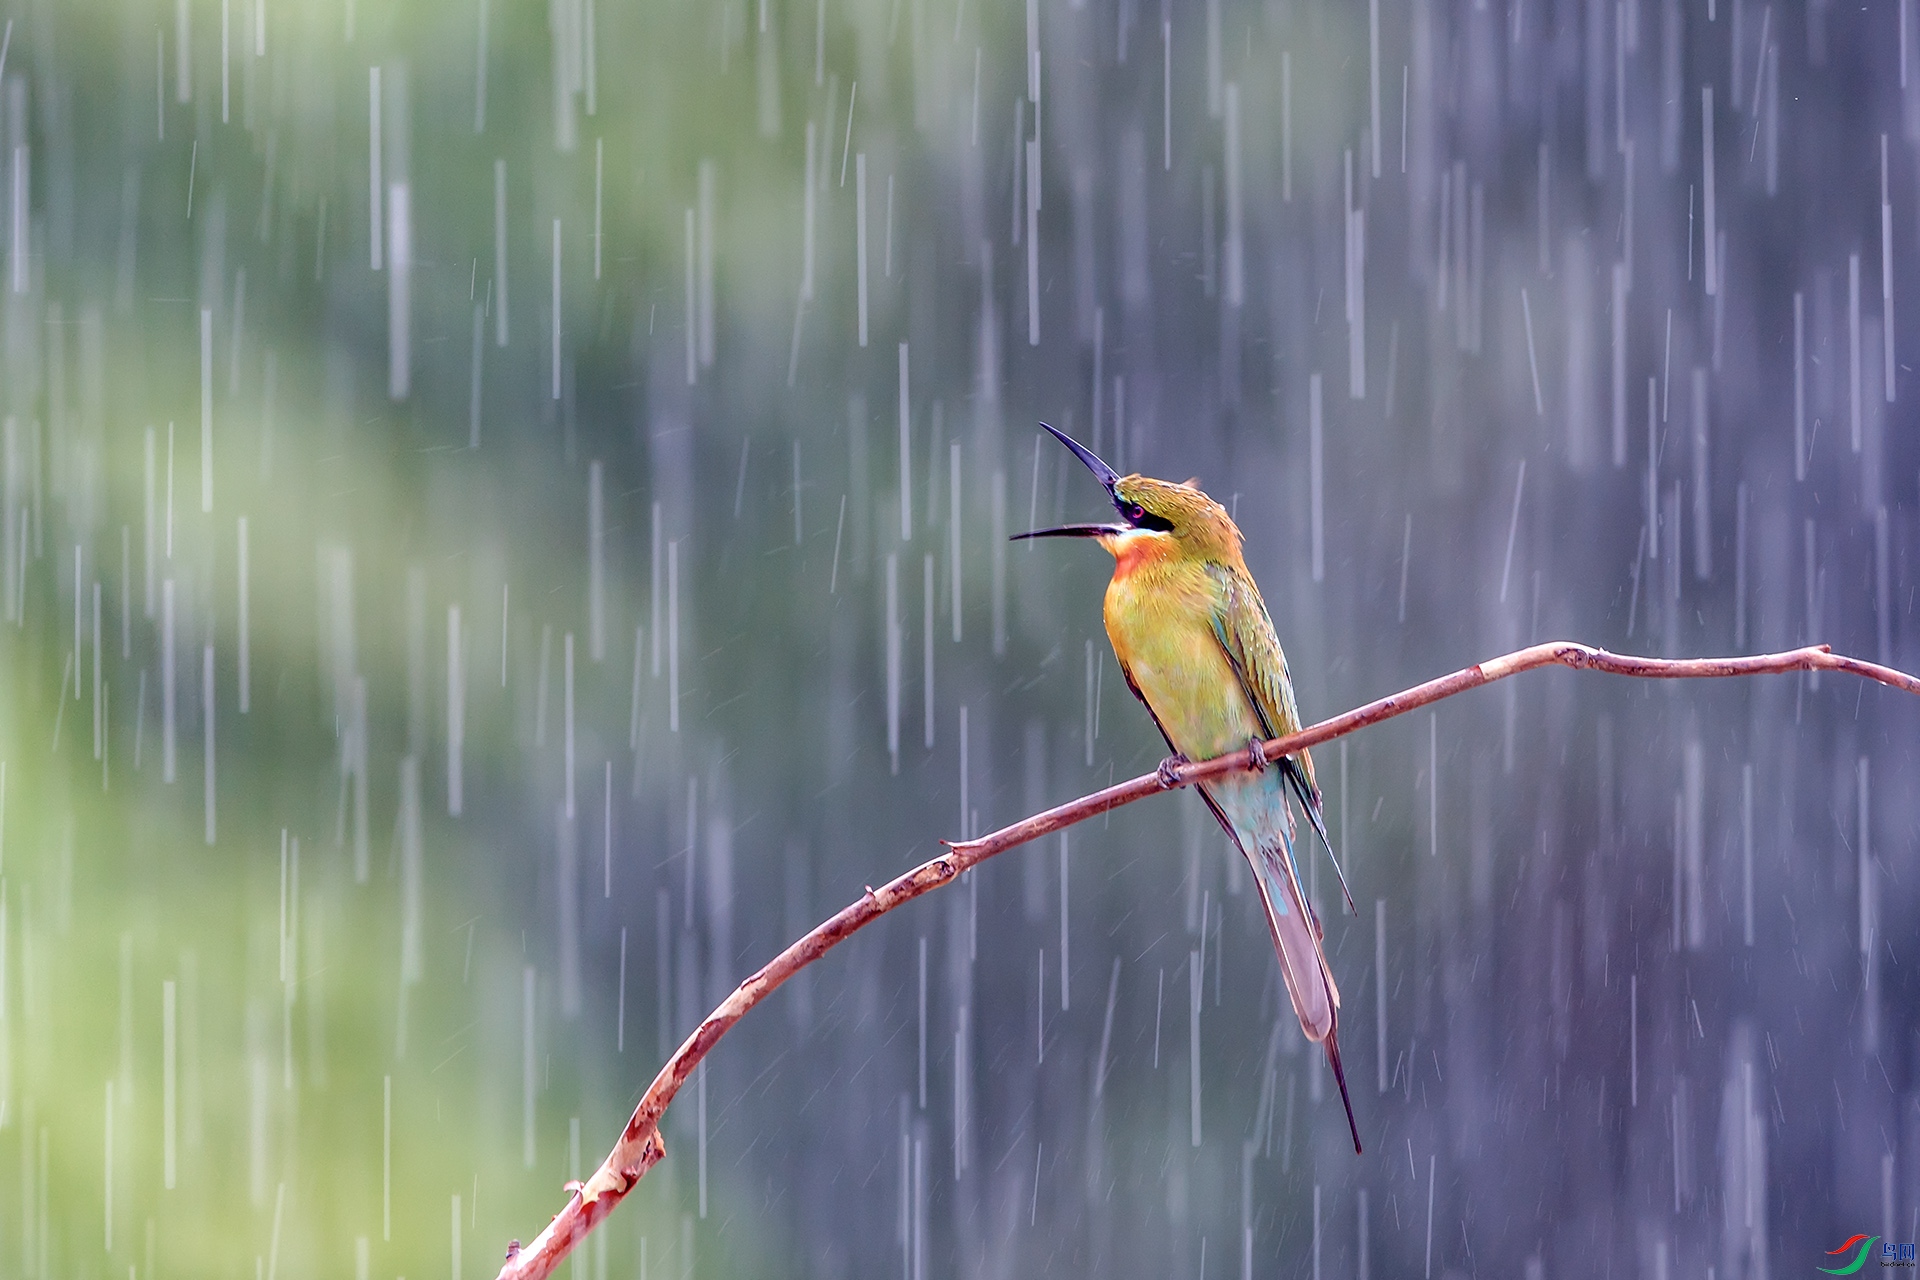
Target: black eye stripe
1140, 518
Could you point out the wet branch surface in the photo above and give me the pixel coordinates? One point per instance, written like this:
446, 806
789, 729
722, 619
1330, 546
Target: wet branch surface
641, 1147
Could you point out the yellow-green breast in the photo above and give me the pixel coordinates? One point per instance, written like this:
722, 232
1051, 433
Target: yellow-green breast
1159, 616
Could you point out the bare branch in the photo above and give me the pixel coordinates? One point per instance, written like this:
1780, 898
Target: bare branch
641, 1147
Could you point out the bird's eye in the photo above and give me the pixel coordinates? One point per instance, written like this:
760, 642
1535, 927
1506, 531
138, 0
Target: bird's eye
1141, 518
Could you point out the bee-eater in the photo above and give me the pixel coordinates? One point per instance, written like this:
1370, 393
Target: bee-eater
1196, 645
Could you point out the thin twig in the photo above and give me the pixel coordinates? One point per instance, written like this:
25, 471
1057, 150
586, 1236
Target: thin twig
641, 1147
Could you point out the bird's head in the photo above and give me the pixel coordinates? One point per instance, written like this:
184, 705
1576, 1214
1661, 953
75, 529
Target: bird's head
1155, 515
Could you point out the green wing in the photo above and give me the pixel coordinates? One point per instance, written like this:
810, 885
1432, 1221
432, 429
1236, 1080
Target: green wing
1245, 631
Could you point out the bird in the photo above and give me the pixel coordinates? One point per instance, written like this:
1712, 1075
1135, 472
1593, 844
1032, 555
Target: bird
1197, 647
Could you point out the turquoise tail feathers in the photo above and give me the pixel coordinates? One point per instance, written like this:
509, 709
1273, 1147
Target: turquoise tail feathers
1254, 814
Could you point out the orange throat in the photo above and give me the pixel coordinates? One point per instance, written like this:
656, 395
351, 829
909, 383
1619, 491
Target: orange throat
1135, 550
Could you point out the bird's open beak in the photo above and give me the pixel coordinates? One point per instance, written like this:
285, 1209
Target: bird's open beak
1075, 531
1101, 472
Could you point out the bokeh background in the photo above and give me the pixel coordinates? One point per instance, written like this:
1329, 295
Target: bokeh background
505, 513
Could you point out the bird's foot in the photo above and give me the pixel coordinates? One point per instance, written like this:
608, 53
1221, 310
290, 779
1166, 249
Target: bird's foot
1256, 755
1166, 773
